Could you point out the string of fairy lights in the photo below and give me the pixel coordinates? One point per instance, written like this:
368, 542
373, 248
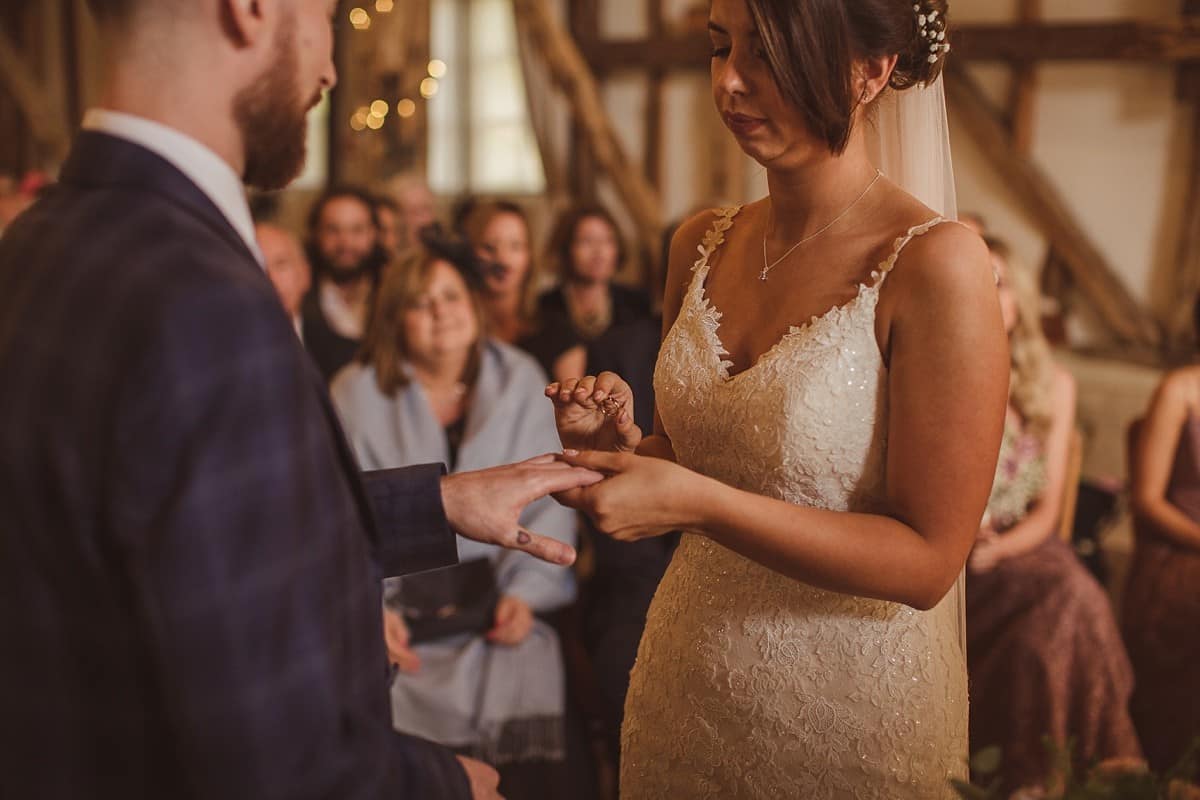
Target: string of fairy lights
373, 116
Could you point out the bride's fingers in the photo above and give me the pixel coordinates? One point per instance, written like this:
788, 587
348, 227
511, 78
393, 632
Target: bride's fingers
583, 392
610, 384
566, 389
552, 390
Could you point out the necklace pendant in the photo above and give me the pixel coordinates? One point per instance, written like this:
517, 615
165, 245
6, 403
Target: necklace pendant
762, 276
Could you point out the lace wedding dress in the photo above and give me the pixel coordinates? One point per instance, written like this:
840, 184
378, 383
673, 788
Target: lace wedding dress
749, 684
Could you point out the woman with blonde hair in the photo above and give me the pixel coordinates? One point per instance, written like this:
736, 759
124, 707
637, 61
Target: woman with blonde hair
1043, 650
431, 386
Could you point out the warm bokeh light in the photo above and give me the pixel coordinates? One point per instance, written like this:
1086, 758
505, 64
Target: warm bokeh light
406, 108
437, 68
374, 122
358, 121
384, 6
379, 108
429, 87
360, 19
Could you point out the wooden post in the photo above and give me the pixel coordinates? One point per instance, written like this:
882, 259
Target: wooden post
1181, 322
654, 101
1089, 269
584, 22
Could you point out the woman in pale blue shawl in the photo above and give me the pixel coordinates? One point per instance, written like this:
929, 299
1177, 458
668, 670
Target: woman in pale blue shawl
430, 386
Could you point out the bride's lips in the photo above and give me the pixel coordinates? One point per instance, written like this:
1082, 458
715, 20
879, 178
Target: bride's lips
741, 124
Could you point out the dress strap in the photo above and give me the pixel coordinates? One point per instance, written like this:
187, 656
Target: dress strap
885, 267
715, 236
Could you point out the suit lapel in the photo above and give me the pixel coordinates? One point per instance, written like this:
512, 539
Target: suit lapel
99, 159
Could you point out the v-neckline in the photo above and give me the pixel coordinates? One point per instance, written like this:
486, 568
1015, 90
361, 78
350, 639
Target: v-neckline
793, 331
875, 279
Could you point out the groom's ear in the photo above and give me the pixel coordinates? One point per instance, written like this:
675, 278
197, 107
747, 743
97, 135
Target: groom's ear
247, 21
871, 76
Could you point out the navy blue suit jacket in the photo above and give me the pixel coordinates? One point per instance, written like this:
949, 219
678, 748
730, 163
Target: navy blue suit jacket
190, 560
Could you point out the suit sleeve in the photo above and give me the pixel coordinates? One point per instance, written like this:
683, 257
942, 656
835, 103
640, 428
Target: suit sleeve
411, 522
246, 560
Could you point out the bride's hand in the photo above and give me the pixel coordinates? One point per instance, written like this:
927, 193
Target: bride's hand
595, 413
641, 497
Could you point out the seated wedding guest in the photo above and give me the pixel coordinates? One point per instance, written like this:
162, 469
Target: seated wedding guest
499, 231
587, 250
347, 256
624, 575
286, 267
430, 385
1044, 654
1162, 599
391, 226
415, 204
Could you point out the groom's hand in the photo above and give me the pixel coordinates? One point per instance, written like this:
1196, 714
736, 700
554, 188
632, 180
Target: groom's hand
486, 505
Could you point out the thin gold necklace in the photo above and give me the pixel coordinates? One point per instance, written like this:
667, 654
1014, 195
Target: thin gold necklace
766, 270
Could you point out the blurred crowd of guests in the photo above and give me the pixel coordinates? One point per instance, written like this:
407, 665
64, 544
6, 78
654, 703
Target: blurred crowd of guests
438, 340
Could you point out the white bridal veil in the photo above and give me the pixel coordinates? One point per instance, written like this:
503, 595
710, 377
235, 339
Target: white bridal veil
909, 141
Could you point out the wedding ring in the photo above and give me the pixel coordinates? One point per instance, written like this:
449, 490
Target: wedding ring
611, 407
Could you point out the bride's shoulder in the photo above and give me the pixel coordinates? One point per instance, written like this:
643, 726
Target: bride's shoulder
709, 224
937, 264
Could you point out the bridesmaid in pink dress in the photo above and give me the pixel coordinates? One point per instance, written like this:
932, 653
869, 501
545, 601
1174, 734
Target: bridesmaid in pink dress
1043, 649
1162, 600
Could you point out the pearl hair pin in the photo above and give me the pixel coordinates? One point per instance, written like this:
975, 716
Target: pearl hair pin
933, 30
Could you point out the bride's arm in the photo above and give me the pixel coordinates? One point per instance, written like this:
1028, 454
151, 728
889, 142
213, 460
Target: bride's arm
948, 388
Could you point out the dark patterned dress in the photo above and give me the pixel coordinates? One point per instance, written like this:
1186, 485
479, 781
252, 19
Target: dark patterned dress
1161, 620
1043, 649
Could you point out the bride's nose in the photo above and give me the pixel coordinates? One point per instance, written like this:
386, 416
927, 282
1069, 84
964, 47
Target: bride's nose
730, 75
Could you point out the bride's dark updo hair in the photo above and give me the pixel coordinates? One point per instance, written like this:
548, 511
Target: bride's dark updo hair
811, 46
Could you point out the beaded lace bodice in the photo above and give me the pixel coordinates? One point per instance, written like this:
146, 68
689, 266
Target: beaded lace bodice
750, 684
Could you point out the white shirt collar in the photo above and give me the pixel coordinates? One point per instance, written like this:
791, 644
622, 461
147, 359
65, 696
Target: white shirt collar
211, 173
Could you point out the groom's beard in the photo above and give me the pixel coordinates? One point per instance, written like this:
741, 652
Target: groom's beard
272, 118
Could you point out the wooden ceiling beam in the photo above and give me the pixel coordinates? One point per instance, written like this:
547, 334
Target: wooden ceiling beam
1171, 42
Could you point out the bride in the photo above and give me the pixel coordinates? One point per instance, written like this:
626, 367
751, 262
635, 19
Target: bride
831, 391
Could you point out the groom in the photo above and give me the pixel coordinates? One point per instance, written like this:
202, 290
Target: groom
189, 557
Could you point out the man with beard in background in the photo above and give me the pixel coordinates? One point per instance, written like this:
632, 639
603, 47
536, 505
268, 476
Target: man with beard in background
189, 556
346, 252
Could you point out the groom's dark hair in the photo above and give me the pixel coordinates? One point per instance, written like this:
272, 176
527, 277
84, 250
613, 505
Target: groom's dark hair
811, 46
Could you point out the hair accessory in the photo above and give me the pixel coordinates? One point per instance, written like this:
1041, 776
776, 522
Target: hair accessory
932, 27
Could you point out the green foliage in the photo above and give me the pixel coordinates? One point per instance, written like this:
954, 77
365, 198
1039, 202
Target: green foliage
1110, 780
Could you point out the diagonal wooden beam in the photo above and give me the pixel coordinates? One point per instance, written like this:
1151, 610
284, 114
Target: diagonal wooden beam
572, 76
1089, 269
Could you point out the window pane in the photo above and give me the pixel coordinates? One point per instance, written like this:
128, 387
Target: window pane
505, 159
